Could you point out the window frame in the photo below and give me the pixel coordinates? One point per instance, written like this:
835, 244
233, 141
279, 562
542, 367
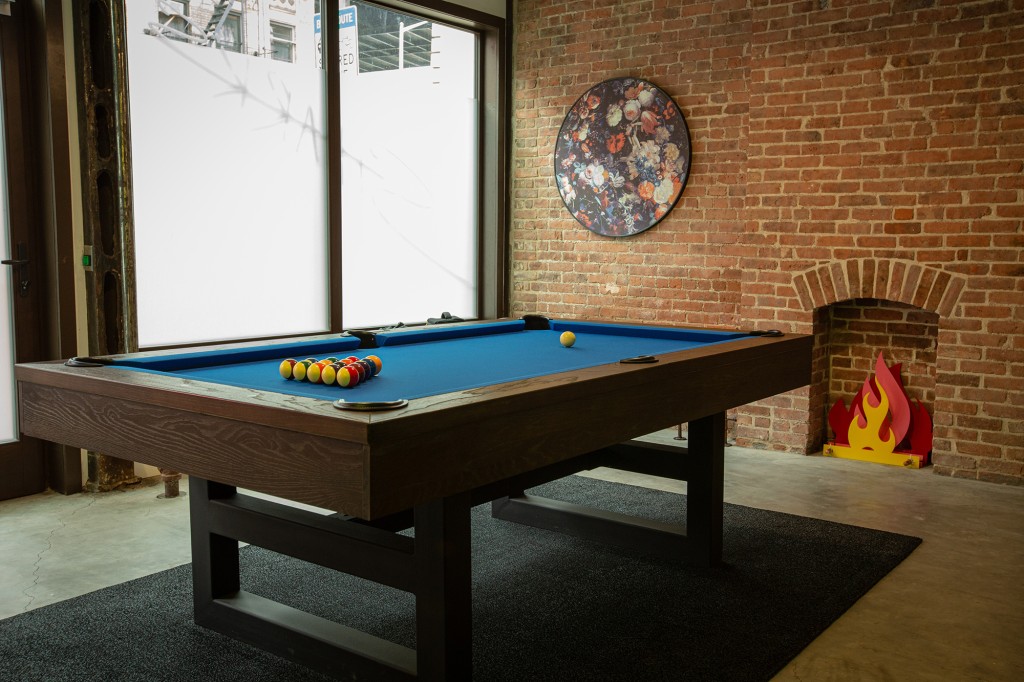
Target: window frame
276, 40
235, 17
492, 147
492, 266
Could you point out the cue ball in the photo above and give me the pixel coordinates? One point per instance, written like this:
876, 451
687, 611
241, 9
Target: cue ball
567, 339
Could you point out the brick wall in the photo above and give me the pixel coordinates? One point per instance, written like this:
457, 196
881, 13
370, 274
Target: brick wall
842, 149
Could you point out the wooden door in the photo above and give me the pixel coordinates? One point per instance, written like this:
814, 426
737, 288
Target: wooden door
22, 460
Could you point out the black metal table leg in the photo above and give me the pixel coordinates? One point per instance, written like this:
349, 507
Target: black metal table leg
704, 494
214, 557
444, 632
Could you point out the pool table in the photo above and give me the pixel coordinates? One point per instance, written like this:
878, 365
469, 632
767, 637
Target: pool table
460, 415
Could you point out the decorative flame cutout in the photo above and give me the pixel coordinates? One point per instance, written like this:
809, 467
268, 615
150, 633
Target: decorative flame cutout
881, 417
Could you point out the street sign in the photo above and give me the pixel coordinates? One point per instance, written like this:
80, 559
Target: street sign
348, 39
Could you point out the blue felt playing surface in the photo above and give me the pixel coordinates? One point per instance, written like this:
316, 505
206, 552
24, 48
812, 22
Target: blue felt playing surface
418, 363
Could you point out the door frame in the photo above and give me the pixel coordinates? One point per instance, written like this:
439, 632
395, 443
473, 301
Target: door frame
40, 192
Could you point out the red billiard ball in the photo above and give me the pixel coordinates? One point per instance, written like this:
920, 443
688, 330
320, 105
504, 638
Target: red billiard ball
350, 359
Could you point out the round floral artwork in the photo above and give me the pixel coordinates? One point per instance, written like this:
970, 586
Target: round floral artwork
622, 157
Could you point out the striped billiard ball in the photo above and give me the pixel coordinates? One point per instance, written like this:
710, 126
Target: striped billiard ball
313, 372
352, 376
328, 374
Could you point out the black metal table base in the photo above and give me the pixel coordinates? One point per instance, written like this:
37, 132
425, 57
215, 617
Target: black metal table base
435, 564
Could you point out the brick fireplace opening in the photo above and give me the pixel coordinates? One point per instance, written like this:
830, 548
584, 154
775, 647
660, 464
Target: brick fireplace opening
902, 309
849, 336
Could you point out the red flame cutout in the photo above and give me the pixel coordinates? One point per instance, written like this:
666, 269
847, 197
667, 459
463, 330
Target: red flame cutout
908, 424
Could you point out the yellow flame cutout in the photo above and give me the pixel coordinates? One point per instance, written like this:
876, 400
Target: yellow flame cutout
870, 420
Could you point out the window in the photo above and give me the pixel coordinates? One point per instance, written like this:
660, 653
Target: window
308, 199
229, 35
173, 19
392, 40
282, 43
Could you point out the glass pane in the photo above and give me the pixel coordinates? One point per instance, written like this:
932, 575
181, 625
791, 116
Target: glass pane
8, 405
409, 170
228, 162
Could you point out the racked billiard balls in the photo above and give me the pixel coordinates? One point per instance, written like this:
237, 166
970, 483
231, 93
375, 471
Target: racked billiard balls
286, 369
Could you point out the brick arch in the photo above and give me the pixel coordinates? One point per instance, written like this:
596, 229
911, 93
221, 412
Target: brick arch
903, 281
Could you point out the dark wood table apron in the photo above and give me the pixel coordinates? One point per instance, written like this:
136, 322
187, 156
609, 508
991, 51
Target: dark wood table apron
423, 466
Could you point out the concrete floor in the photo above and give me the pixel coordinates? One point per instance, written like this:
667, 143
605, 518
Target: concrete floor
954, 610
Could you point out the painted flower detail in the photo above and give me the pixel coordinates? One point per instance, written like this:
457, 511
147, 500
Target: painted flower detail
670, 152
646, 190
664, 192
650, 153
631, 110
568, 191
582, 132
596, 176
614, 115
593, 101
616, 143
649, 122
645, 97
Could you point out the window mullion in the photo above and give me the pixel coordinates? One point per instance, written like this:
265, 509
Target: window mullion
332, 56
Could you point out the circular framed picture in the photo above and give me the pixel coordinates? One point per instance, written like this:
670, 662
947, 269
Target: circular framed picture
622, 157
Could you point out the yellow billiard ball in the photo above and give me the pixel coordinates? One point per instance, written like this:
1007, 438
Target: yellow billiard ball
567, 339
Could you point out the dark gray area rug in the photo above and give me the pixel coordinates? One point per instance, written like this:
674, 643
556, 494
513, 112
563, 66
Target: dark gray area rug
545, 606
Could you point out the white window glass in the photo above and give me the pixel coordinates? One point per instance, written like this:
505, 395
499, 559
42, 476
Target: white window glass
282, 44
228, 179
8, 417
229, 35
409, 172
